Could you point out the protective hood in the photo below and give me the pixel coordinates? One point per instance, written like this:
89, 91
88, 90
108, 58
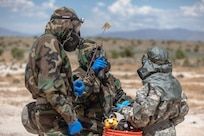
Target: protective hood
158, 55
86, 52
166, 83
156, 61
65, 25
89, 52
157, 69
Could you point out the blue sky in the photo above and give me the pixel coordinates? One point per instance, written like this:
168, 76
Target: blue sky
31, 16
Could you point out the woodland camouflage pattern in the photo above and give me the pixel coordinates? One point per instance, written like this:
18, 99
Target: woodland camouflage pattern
99, 96
48, 77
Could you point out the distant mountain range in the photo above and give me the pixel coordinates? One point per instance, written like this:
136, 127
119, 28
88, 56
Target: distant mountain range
156, 34
6, 32
145, 34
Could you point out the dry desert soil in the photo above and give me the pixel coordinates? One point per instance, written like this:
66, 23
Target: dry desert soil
188, 70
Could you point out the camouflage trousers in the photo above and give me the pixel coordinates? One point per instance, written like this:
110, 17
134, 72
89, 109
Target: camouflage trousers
49, 122
91, 128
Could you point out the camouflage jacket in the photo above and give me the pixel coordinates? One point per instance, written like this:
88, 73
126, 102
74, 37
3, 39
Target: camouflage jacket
48, 75
150, 110
99, 97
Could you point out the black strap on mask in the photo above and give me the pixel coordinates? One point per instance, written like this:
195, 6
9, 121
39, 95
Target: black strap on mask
81, 20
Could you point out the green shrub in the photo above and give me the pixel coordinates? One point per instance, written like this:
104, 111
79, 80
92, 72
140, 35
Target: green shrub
16, 81
115, 54
127, 52
186, 62
196, 49
17, 53
1, 52
180, 54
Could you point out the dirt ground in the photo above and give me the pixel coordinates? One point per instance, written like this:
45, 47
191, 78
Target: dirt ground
13, 96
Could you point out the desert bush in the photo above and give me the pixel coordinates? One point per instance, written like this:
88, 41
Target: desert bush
17, 53
1, 52
2, 44
186, 62
196, 49
8, 75
200, 61
127, 52
180, 54
115, 54
16, 81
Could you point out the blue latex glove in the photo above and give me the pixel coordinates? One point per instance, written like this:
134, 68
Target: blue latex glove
99, 64
124, 103
78, 87
74, 127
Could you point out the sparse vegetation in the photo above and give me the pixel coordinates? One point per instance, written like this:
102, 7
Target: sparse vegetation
115, 54
17, 53
1, 52
191, 65
196, 49
180, 54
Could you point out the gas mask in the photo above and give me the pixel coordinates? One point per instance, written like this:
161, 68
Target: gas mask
72, 42
70, 36
148, 68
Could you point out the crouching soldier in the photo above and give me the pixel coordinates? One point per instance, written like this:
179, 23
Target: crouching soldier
160, 104
103, 92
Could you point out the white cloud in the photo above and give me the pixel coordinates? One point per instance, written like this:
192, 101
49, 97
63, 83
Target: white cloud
17, 5
28, 8
100, 4
196, 10
49, 5
122, 7
123, 15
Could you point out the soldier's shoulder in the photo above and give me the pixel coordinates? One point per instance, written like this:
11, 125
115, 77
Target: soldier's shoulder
47, 38
147, 88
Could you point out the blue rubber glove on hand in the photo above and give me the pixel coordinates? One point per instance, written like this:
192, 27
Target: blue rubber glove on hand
74, 127
124, 103
99, 64
78, 87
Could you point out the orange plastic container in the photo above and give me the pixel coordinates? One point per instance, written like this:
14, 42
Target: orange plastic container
112, 132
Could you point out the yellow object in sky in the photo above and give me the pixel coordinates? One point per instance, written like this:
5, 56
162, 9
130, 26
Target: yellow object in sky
106, 26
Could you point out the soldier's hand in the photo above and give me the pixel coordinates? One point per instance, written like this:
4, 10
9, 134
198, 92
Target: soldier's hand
127, 111
79, 87
124, 103
74, 127
99, 64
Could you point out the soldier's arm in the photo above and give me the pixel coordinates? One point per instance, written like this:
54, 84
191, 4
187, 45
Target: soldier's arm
51, 82
183, 111
120, 94
89, 79
145, 105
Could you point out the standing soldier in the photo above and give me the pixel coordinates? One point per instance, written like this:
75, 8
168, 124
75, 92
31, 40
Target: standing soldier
160, 104
48, 75
102, 92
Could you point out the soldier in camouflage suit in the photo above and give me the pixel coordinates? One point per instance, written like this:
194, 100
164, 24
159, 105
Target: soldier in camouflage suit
48, 75
160, 104
101, 95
